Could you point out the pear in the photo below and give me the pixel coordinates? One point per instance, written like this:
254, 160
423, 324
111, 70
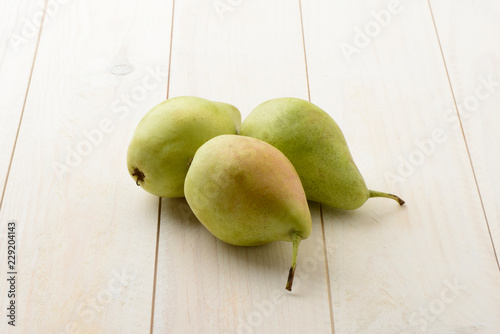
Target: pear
168, 136
247, 193
315, 145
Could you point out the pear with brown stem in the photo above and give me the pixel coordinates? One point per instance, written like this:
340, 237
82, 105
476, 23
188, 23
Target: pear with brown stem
168, 136
247, 193
315, 145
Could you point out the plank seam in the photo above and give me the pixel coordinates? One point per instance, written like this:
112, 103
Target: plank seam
463, 133
304, 47
170, 52
24, 104
156, 266
325, 254
159, 205
327, 269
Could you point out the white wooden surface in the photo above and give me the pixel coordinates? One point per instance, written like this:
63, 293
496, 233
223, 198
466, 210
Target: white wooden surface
86, 236
96, 254
466, 32
18, 41
393, 264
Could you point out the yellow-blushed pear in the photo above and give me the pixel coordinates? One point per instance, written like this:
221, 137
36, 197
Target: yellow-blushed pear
168, 136
316, 146
247, 193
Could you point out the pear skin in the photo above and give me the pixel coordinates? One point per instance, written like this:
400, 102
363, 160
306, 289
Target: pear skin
247, 193
168, 136
316, 146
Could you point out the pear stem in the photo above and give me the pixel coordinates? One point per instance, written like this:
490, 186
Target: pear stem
386, 195
291, 272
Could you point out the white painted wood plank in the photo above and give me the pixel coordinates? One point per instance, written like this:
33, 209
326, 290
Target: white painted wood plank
469, 33
207, 286
393, 266
19, 30
252, 53
244, 55
86, 235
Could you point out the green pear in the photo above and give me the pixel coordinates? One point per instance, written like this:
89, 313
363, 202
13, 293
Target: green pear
247, 193
168, 136
315, 145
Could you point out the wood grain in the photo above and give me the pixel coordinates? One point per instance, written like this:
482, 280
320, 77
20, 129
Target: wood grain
394, 266
86, 235
245, 57
467, 31
19, 29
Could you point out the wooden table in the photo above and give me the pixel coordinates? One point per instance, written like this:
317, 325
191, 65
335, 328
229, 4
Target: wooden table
414, 85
